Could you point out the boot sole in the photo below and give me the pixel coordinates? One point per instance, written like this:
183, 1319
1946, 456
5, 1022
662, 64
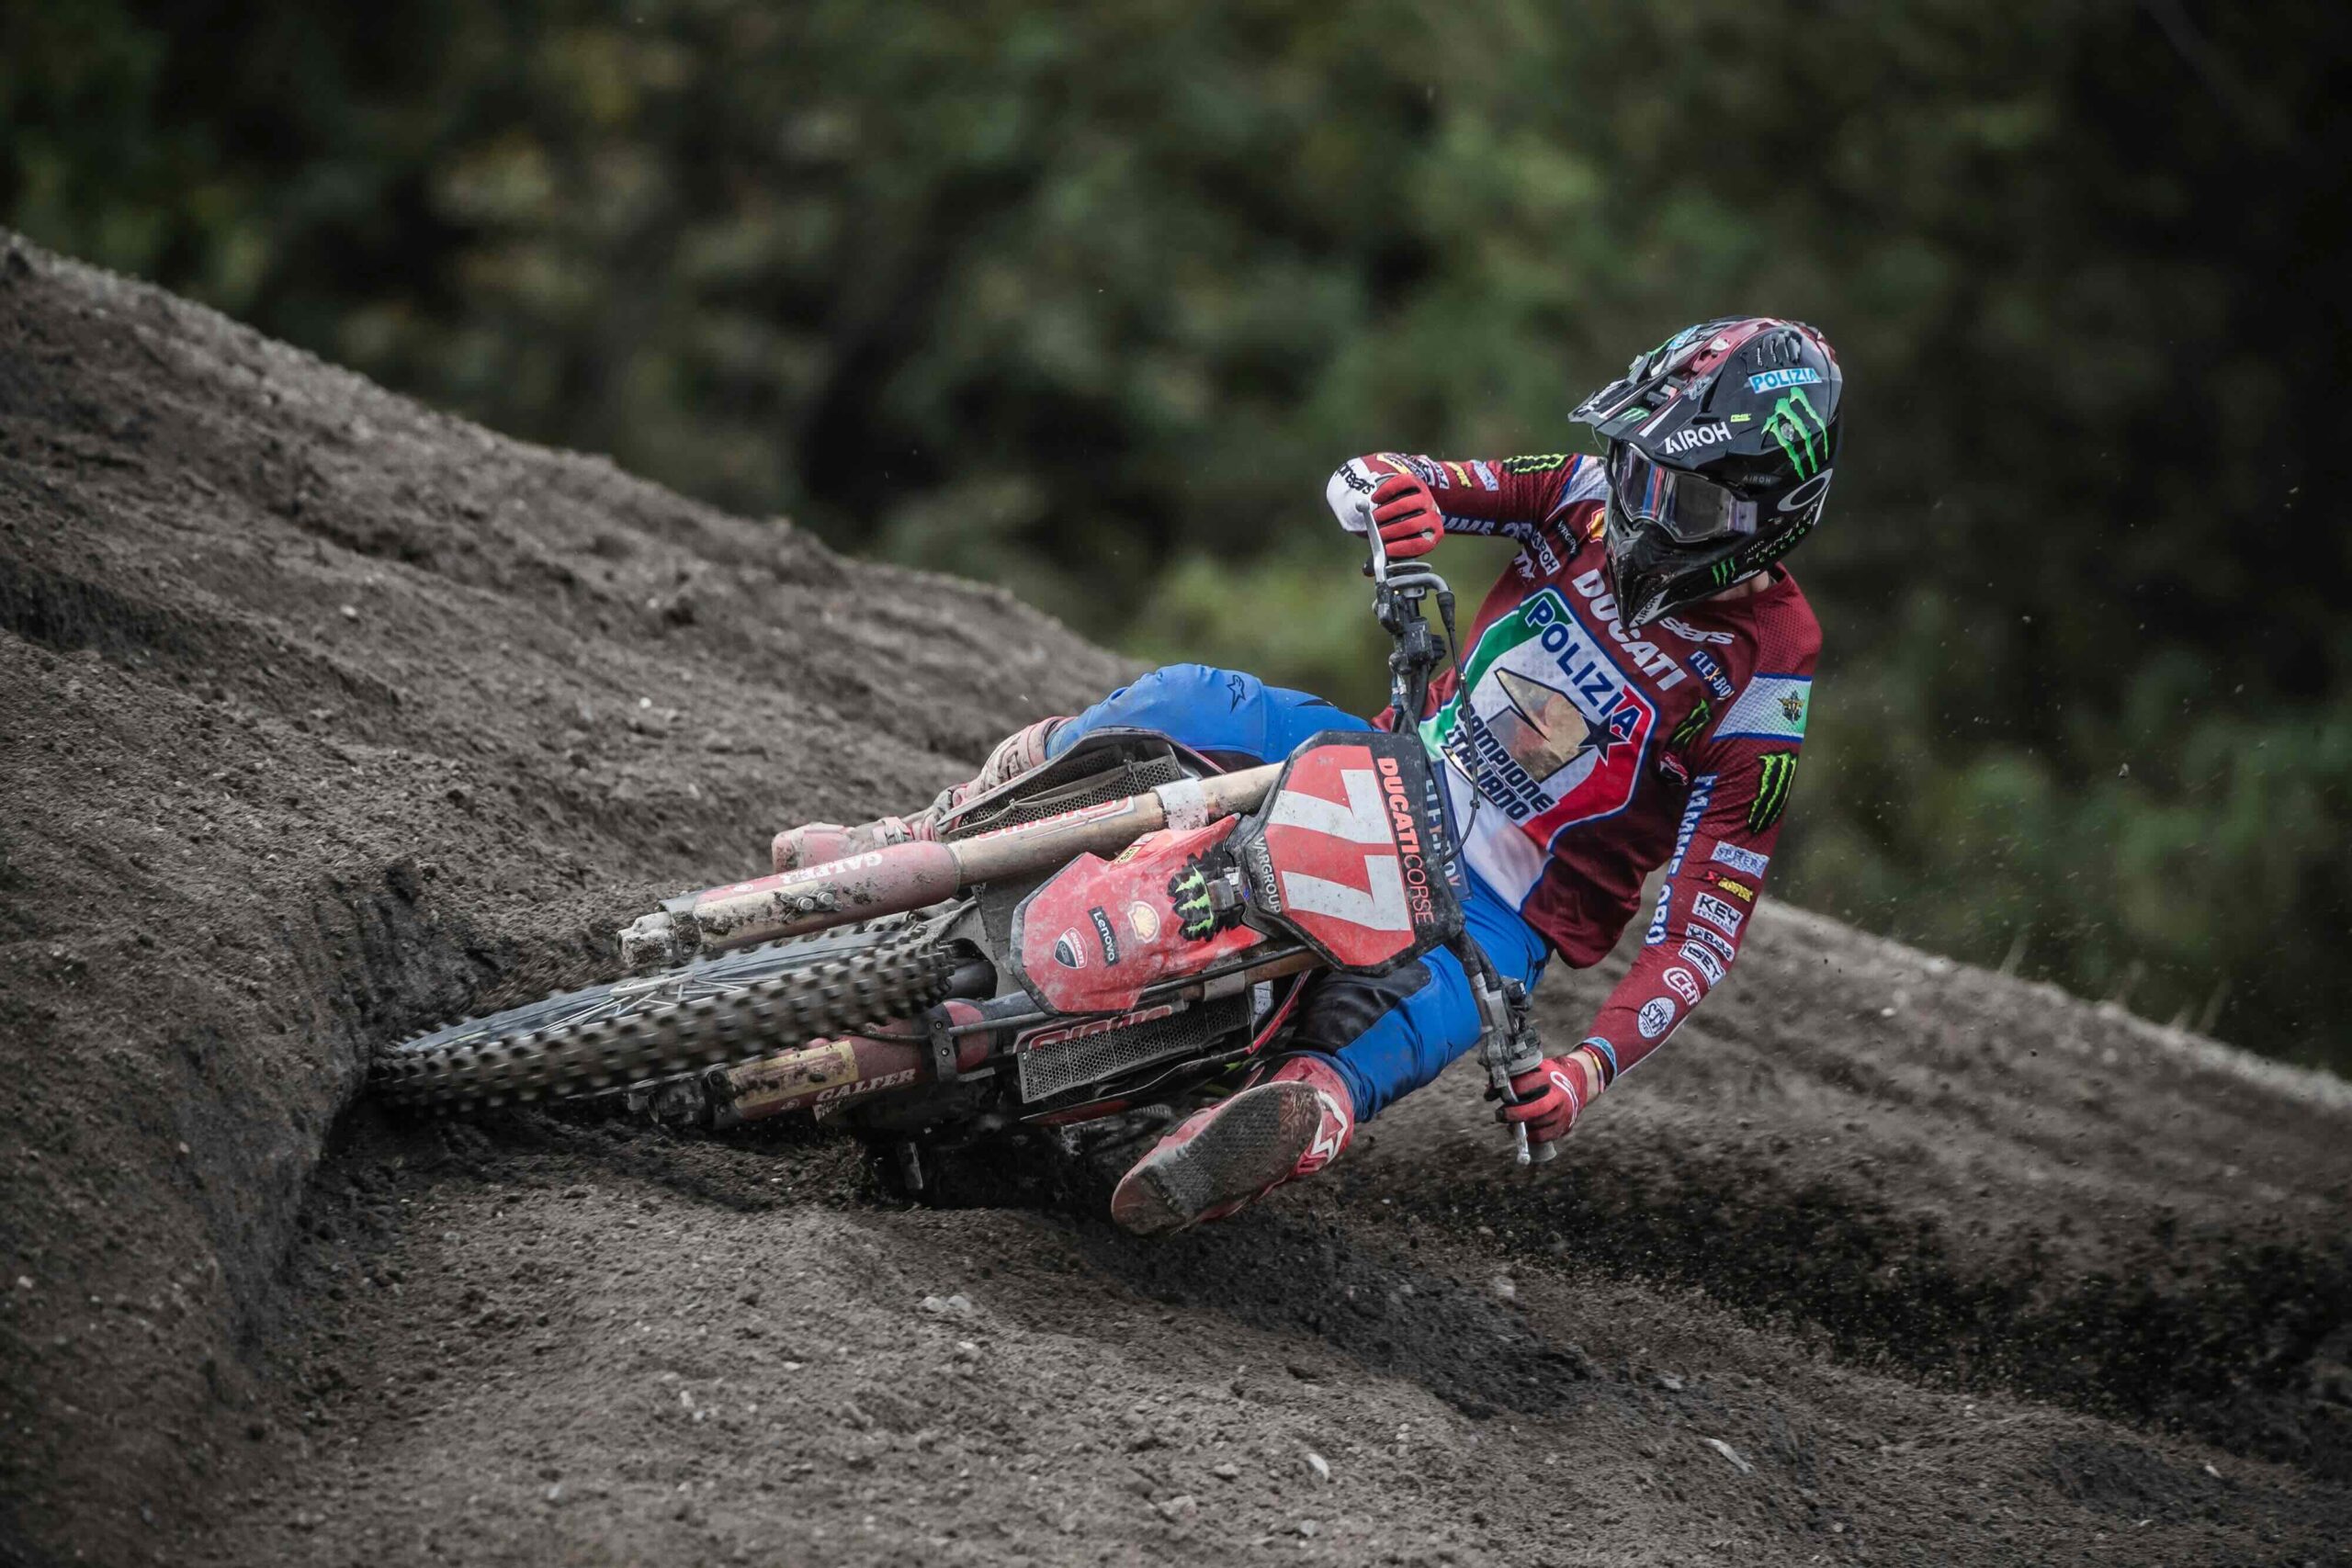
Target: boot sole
1256, 1138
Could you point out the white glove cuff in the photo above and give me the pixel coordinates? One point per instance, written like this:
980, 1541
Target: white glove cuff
1349, 495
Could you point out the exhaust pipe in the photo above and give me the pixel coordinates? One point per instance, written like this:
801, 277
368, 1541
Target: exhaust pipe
825, 1073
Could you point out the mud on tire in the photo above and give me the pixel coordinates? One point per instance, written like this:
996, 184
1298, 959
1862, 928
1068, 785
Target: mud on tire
727, 1009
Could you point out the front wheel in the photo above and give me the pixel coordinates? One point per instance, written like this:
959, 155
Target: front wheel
712, 1012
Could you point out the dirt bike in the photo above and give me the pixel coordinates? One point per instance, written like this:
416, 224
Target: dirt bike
1086, 956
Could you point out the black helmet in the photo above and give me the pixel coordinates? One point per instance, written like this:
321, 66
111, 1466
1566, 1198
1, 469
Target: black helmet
1720, 445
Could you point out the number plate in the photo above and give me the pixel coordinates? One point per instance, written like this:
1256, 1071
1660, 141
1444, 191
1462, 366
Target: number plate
1351, 852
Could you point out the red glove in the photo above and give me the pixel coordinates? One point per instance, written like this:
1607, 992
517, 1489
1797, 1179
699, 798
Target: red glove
1551, 1097
1407, 516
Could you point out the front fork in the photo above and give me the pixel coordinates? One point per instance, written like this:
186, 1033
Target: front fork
1508, 1043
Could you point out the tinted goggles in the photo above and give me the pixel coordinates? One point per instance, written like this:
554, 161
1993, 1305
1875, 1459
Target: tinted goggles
1691, 510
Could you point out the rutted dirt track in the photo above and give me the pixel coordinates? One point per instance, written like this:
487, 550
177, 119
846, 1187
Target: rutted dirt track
324, 717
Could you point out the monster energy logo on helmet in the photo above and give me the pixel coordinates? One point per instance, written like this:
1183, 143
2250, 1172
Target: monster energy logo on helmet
1805, 444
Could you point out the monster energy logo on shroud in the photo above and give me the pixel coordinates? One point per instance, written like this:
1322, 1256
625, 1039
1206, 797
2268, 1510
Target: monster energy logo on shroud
1805, 444
1775, 771
1195, 915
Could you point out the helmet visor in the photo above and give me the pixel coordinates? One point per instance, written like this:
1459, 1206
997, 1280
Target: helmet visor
1691, 510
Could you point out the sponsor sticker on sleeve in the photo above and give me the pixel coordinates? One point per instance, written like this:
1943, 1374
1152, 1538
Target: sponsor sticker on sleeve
1775, 771
1773, 707
1738, 890
1701, 791
1684, 984
1704, 959
1744, 860
1717, 913
1656, 1018
1706, 938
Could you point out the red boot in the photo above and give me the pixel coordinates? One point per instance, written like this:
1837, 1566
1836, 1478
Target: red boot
1292, 1122
821, 841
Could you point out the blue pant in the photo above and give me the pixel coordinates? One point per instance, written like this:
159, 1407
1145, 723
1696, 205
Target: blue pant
1388, 1035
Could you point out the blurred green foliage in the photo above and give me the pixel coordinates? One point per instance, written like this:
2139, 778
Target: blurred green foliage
1088, 300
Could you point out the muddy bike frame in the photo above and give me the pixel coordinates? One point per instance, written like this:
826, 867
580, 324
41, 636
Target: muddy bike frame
914, 875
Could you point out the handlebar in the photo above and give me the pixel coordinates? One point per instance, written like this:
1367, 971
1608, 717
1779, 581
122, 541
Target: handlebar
1399, 589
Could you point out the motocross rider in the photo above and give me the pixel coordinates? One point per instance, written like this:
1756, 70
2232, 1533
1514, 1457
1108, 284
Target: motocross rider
1639, 680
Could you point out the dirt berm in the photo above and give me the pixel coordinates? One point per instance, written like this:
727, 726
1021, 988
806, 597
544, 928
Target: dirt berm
326, 717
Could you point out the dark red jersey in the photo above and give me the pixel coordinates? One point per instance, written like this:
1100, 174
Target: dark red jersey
1601, 753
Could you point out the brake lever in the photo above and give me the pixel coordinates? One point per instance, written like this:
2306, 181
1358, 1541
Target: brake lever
1378, 565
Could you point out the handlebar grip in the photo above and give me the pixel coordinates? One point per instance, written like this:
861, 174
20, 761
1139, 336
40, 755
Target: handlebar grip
1545, 1153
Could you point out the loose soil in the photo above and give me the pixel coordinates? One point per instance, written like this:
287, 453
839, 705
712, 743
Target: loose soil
325, 716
